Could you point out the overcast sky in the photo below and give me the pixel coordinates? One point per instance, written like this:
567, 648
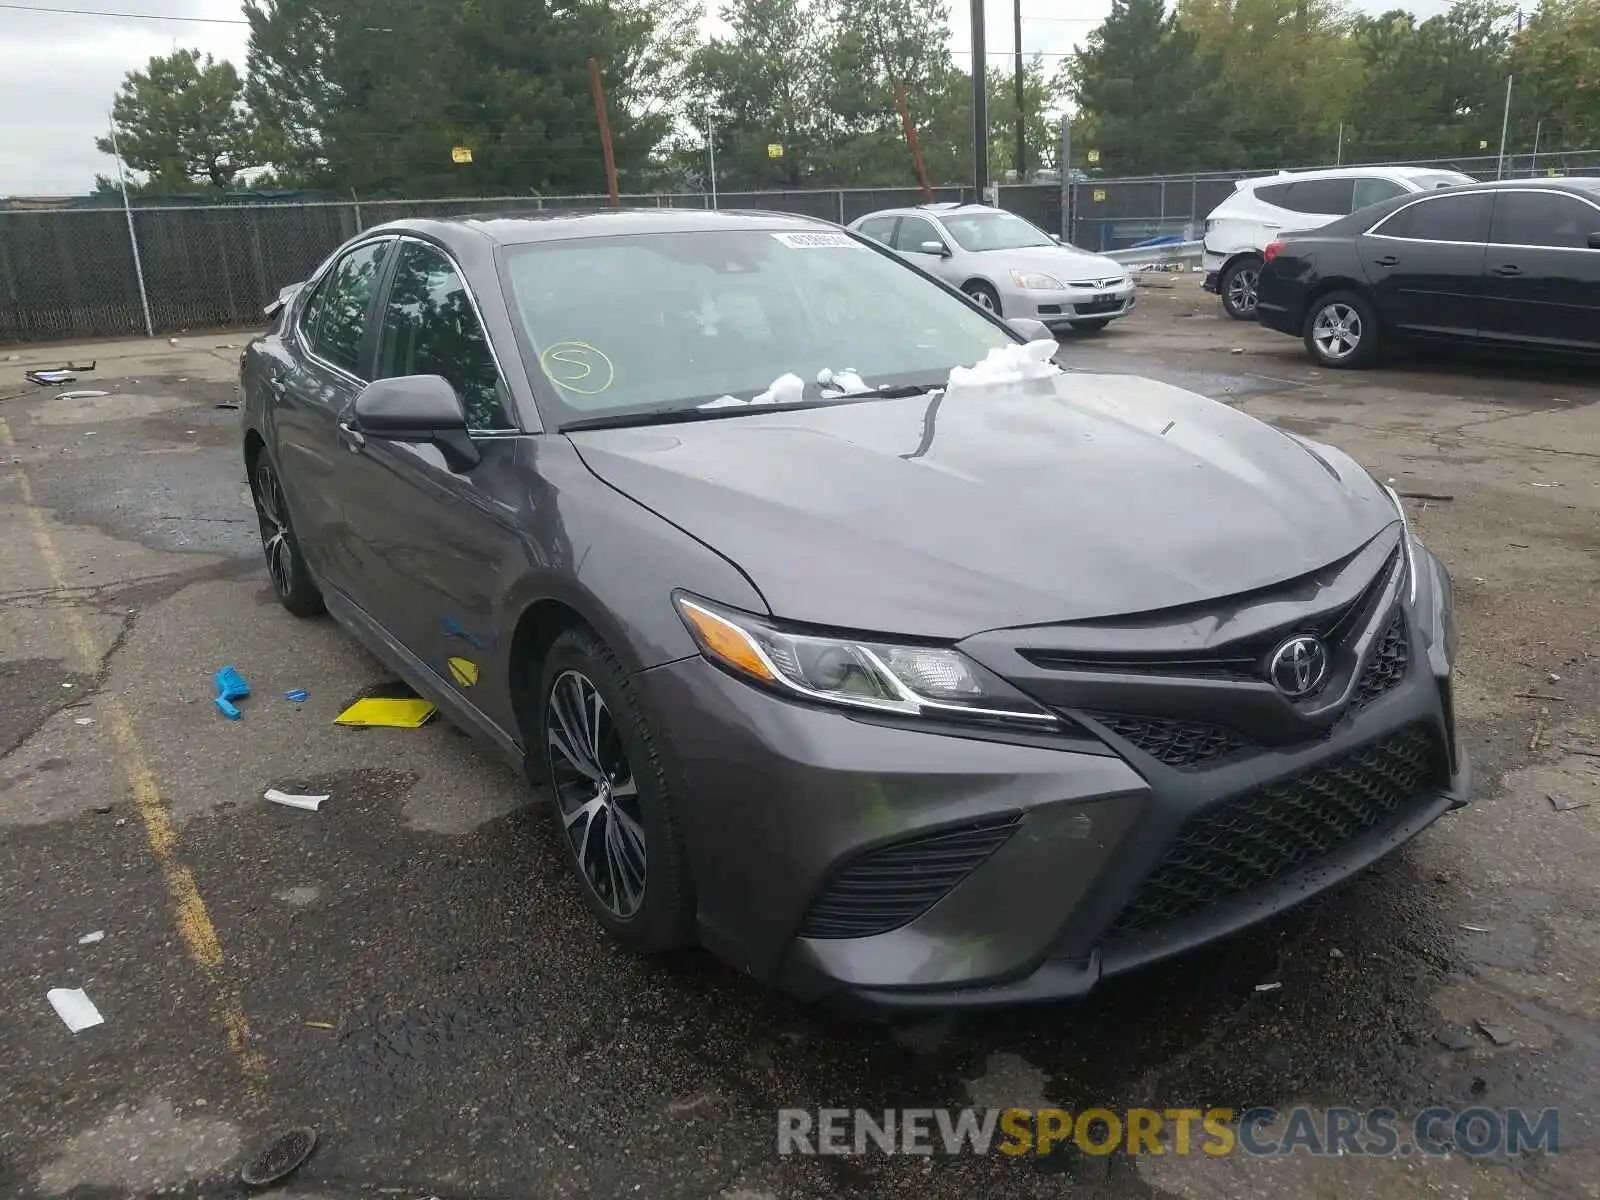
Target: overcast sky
61, 69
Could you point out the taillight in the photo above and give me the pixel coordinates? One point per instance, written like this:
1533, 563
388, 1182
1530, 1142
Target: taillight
1271, 252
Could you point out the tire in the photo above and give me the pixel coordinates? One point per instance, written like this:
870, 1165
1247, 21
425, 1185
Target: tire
1090, 326
983, 295
611, 801
1239, 287
286, 565
1342, 331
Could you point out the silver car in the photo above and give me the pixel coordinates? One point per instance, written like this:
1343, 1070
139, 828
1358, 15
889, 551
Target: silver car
1006, 264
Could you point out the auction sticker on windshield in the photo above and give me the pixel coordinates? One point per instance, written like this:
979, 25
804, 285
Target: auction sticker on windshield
818, 241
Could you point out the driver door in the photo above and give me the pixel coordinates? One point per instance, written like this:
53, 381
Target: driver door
435, 547
915, 233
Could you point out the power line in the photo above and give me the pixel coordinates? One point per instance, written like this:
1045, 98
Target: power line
132, 16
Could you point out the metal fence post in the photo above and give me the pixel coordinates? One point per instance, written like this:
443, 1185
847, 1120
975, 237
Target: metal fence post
133, 237
1194, 203
841, 206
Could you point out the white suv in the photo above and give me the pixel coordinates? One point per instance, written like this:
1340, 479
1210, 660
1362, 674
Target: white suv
1239, 228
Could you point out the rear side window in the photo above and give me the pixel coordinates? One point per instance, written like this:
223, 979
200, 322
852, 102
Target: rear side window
1441, 219
879, 229
1543, 219
1375, 191
337, 318
1329, 197
431, 328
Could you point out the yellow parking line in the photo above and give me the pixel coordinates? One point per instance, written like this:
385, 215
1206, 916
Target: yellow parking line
193, 921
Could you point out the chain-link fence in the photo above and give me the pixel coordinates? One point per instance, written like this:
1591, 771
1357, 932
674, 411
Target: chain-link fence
71, 273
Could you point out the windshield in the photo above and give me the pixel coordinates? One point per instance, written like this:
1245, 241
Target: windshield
666, 321
993, 231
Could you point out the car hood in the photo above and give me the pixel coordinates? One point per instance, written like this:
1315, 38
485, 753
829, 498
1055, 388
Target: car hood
1067, 498
1064, 262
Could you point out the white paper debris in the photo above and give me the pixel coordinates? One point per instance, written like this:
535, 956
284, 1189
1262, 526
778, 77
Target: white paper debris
80, 395
90, 939
1268, 987
75, 1008
172, 341
83, 720
1009, 364
309, 803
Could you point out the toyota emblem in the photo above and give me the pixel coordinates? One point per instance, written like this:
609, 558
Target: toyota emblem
1299, 666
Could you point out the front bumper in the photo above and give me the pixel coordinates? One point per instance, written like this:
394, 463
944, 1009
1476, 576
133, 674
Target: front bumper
1211, 264
1064, 309
781, 801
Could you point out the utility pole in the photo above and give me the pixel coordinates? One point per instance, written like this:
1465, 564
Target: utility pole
598, 91
1338, 155
1066, 178
1022, 116
1505, 122
980, 105
133, 238
1533, 163
711, 150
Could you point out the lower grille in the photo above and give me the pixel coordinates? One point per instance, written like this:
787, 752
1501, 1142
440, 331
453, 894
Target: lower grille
1387, 666
1258, 837
885, 889
1186, 745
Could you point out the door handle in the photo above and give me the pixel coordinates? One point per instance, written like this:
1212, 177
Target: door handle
1388, 260
1506, 269
352, 437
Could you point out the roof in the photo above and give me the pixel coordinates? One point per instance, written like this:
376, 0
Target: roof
554, 225
1555, 183
1377, 172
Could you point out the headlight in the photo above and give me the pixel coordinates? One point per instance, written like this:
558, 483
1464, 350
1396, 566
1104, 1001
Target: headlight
925, 681
1037, 281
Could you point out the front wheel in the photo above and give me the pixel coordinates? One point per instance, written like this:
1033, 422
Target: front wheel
1239, 286
1342, 330
613, 807
983, 295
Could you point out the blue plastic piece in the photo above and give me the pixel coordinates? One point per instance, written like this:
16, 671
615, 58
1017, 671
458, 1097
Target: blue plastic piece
230, 687
297, 695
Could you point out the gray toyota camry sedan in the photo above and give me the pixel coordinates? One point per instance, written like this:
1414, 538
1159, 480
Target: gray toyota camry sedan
849, 634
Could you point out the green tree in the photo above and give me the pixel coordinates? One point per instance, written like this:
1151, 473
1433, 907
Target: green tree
507, 79
1558, 56
1152, 97
761, 86
181, 122
1431, 89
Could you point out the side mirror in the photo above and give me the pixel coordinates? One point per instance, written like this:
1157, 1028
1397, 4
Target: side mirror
1594, 241
418, 408
938, 248
1031, 330
1056, 238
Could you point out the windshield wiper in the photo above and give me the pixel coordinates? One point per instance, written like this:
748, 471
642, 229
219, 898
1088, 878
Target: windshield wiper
676, 416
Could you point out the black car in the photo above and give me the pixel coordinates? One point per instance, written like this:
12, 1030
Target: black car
1514, 264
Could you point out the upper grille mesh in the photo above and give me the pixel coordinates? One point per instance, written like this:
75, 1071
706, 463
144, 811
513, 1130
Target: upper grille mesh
885, 889
1265, 833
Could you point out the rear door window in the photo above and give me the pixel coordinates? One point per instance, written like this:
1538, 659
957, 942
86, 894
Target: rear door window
337, 318
1463, 218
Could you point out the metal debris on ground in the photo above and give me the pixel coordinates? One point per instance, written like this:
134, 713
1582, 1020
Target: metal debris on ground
1452, 1039
75, 1008
1426, 495
1547, 485
1498, 1034
90, 939
1477, 929
49, 378
1237, 350
85, 395
230, 687
226, 404
1268, 987
1564, 803
392, 714
319, 1024
280, 1159
297, 695
309, 803
83, 720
